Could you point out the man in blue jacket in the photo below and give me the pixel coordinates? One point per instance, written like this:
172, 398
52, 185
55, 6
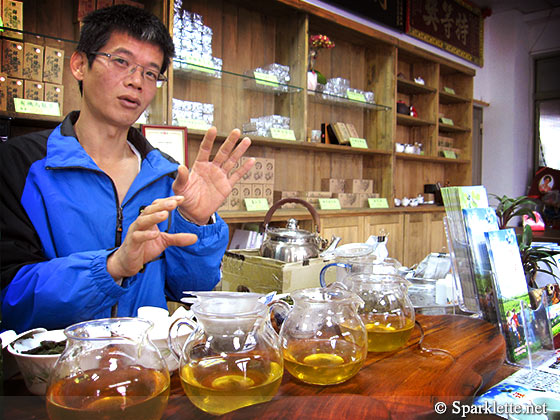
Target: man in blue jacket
96, 222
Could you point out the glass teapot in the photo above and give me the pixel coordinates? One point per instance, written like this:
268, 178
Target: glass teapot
232, 359
108, 370
323, 339
388, 313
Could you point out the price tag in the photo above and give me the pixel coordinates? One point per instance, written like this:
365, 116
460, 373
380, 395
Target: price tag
450, 154
449, 90
355, 96
193, 124
200, 64
447, 121
30, 106
282, 134
266, 79
358, 143
329, 204
378, 203
256, 204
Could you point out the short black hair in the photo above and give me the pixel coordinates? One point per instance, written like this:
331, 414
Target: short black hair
98, 26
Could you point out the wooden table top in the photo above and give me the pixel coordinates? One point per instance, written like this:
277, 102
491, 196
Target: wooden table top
405, 384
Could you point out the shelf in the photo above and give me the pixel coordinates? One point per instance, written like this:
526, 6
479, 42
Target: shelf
403, 119
448, 98
413, 88
446, 128
300, 145
325, 98
212, 74
431, 159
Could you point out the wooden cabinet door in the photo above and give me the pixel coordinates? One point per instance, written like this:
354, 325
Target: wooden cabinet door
392, 224
438, 240
350, 229
415, 238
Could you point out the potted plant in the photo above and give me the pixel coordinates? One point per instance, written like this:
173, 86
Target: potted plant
534, 258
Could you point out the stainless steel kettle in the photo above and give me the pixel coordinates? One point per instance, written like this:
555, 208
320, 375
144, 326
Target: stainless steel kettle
291, 244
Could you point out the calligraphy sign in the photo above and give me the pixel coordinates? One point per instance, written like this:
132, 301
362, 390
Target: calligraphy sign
453, 25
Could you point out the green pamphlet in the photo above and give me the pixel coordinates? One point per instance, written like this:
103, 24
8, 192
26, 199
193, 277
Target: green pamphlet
449, 90
355, 96
200, 64
266, 79
193, 124
358, 143
329, 204
30, 106
378, 203
447, 121
256, 204
282, 134
450, 154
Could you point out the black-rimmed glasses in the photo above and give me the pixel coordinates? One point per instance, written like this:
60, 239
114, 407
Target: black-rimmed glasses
123, 65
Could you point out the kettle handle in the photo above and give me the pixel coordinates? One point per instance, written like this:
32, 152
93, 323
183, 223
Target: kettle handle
172, 342
304, 203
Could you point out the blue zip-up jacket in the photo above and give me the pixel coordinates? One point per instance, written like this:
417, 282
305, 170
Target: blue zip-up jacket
61, 219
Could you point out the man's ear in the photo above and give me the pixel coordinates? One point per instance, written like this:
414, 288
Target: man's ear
78, 65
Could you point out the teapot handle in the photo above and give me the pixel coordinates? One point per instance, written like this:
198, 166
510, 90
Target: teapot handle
286, 308
304, 203
326, 267
172, 342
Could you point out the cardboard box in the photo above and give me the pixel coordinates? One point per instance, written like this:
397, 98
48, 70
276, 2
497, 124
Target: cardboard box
257, 172
279, 195
3, 92
268, 168
234, 200
268, 193
14, 89
33, 56
257, 191
225, 204
359, 186
55, 93
247, 178
348, 200
247, 270
85, 7
12, 58
104, 3
12, 17
246, 191
53, 65
33, 90
333, 185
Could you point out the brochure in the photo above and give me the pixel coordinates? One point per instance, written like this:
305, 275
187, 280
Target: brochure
511, 288
478, 221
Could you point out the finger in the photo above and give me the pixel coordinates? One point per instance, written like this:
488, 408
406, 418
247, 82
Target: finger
146, 222
237, 175
206, 145
163, 204
179, 239
227, 146
237, 154
181, 181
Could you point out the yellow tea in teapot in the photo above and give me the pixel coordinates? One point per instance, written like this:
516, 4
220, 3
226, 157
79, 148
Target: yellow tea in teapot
131, 393
316, 362
219, 385
386, 333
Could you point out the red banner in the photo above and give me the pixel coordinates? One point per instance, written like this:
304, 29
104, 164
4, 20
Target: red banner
455, 26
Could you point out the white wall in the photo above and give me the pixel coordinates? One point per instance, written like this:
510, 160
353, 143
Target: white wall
505, 82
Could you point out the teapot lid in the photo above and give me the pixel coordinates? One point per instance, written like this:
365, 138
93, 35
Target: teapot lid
290, 233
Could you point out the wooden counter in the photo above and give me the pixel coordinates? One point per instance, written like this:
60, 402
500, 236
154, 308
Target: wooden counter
400, 385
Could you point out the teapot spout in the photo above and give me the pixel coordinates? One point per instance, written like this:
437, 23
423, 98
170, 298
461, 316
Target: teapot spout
329, 251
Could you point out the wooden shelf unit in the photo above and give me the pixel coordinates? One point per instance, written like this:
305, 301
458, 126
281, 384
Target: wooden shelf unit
247, 35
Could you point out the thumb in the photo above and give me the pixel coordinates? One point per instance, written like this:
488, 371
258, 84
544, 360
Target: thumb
181, 180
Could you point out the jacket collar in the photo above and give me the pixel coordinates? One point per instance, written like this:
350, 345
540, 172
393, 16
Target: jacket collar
64, 151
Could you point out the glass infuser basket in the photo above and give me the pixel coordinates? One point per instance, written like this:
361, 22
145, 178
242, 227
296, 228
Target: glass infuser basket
232, 359
108, 370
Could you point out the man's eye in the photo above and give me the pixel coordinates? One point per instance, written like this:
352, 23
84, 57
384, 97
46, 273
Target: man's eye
120, 61
151, 75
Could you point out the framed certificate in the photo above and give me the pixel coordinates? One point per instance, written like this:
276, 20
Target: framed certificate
169, 139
